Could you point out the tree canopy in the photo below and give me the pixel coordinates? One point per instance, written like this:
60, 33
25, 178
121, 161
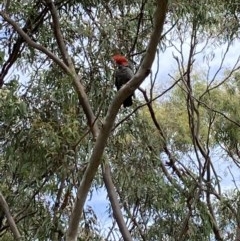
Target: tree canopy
64, 134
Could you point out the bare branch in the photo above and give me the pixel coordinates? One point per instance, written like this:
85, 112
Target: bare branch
83, 99
138, 26
31, 26
164, 143
115, 203
105, 131
217, 112
76, 78
7, 5
58, 33
148, 102
10, 219
133, 214
33, 44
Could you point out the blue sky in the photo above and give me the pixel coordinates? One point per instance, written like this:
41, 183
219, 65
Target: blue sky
167, 65
226, 169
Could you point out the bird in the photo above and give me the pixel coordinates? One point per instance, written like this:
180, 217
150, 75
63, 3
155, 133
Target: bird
123, 74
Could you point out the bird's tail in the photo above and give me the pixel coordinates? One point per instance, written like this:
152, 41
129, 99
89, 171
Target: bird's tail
128, 102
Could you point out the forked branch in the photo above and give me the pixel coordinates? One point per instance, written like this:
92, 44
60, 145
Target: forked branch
105, 131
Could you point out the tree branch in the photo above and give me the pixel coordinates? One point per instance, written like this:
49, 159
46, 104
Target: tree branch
76, 78
10, 219
105, 131
31, 26
33, 44
7, 5
140, 18
115, 203
58, 33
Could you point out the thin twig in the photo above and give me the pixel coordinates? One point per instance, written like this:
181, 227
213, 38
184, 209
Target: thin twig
150, 101
141, 14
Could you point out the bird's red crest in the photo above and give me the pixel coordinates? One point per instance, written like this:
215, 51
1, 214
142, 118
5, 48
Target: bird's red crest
119, 59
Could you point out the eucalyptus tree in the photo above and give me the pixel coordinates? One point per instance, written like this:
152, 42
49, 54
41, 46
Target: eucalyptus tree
63, 133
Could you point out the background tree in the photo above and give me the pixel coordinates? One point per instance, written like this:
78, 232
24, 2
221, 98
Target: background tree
59, 112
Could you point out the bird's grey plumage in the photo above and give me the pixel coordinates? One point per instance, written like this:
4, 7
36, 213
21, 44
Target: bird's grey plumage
122, 75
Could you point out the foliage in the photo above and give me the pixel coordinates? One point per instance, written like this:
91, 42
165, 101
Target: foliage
161, 151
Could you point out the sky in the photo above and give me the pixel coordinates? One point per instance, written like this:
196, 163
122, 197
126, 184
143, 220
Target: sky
226, 169
167, 66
